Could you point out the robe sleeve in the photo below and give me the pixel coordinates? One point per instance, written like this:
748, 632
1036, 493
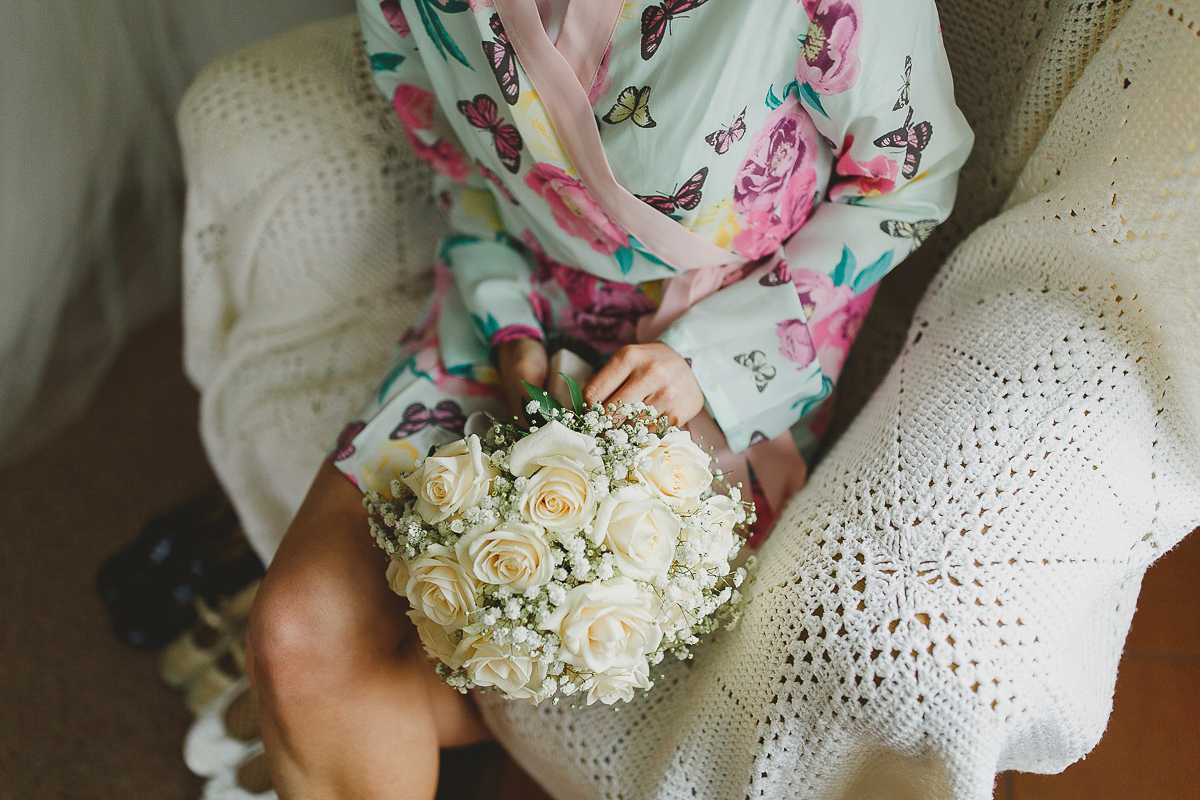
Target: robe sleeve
492, 272
768, 348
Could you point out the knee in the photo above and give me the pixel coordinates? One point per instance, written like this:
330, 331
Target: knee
307, 636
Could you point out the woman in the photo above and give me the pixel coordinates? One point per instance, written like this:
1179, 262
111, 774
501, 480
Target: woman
706, 190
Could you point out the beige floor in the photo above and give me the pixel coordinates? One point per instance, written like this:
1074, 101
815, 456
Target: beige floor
84, 718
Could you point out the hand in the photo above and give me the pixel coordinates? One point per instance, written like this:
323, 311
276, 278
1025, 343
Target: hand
518, 360
652, 373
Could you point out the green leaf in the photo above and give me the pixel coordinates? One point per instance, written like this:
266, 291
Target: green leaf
873, 273
576, 393
547, 403
845, 267
813, 99
624, 258
437, 31
385, 62
772, 101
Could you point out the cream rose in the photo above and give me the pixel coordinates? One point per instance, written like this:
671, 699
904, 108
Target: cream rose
553, 439
514, 555
438, 641
677, 469
612, 624
711, 529
559, 496
510, 668
397, 575
640, 530
455, 477
392, 461
440, 587
618, 687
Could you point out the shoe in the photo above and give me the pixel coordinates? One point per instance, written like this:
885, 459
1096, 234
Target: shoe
215, 681
247, 780
185, 659
226, 733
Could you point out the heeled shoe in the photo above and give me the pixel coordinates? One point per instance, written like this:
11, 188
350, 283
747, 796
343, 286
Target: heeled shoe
248, 780
185, 658
226, 733
215, 681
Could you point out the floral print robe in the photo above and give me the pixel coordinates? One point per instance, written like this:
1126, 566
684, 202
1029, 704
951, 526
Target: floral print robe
733, 177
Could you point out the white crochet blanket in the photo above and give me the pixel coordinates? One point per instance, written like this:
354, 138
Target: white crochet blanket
950, 594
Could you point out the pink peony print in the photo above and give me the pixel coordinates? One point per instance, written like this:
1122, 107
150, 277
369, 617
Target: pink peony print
764, 232
574, 209
787, 143
863, 178
414, 106
829, 60
603, 81
835, 315
395, 16
795, 342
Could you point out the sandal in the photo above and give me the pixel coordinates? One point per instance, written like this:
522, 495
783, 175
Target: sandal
185, 659
247, 780
226, 733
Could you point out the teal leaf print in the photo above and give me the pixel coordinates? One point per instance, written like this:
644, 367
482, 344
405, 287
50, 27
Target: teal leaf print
386, 62
641, 250
409, 365
813, 99
809, 403
624, 258
487, 327
845, 267
873, 273
437, 32
772, 101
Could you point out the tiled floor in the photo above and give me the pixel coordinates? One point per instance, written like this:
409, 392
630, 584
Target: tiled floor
1151, 750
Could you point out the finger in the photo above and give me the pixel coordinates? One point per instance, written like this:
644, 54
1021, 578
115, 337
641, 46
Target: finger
610, 377
531, 367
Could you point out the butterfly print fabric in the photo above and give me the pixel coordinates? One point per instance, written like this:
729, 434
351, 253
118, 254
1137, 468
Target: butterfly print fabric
745, 124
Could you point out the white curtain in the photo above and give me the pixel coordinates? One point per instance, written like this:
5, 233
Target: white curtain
90, 182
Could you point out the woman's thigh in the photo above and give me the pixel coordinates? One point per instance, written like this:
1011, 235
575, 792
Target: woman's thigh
326, 618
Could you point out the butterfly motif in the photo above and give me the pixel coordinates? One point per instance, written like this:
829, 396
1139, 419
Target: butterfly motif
686, 198
756, 362
483, 113
777, 276
913, 138
497, 181
446, 414
723, 138
503, 59
902, 101
917, 231
345, 441
633, 103
656, 21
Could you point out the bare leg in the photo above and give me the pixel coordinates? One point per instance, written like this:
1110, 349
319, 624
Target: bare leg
350, 705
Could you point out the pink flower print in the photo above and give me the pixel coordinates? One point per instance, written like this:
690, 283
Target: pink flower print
764, 232
574, 210
863, 178
395, 16
541, 309
603, 81
476, 5
795, 342
835, 315
786, 143
414, 106
829, 59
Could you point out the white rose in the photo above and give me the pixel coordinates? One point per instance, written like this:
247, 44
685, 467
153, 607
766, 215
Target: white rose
559, 496
397, 574
440, 587
553, 439
618, 687
711, 528
454, 478
640, 530
392, 461
438, 641
677, 469
510, 667
607, 625
514, 555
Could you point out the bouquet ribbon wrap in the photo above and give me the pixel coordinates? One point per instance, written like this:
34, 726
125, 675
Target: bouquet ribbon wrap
777, 463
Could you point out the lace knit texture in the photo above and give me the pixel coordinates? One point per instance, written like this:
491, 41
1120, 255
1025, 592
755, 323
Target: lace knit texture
950, 594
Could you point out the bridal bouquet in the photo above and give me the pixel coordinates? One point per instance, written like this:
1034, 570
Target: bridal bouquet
566, 559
